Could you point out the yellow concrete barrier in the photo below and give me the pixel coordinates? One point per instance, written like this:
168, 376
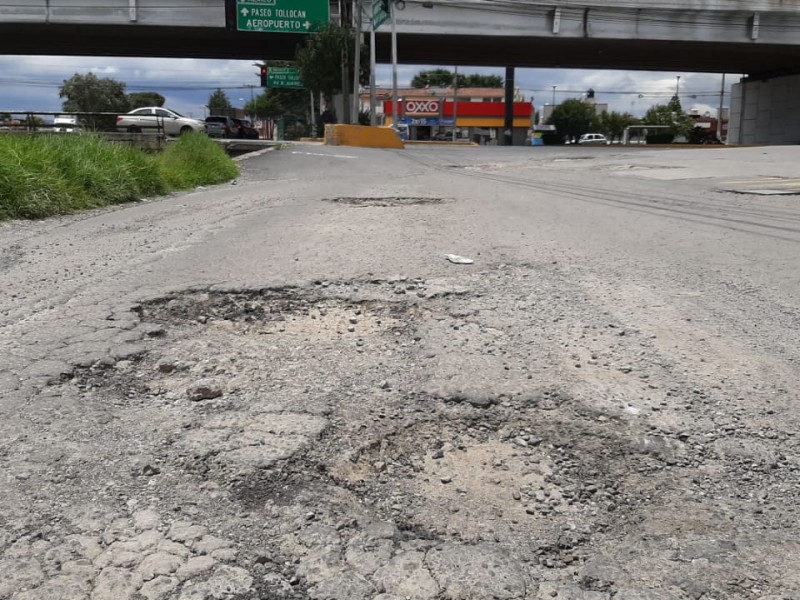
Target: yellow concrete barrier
362, 135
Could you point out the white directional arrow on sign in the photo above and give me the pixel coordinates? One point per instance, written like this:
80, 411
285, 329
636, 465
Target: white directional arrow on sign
279, 16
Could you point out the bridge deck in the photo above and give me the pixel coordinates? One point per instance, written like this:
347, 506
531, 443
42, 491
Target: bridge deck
680, 35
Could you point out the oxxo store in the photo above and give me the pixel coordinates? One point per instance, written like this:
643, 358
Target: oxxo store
482, 122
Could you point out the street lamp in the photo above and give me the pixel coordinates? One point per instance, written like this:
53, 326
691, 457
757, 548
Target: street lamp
678, 87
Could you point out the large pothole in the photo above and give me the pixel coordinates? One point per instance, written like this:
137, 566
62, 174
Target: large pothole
385, 201
381, 437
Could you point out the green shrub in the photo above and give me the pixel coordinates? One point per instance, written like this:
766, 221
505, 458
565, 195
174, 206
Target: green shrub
49, 175
195, 160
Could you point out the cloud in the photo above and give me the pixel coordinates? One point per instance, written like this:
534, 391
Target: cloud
31, 82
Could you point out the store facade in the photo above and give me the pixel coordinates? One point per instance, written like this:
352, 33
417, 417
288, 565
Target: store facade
430, 118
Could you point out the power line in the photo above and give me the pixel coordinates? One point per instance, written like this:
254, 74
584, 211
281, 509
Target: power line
653, 94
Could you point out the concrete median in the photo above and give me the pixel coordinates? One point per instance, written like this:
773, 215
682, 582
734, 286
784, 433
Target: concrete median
362, 135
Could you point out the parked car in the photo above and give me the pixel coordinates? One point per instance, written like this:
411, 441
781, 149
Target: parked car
65, 124
219, 126
245, 129
442, 136
151, 118
593, 139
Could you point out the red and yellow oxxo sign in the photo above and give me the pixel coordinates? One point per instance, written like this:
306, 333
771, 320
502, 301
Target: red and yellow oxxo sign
422, 107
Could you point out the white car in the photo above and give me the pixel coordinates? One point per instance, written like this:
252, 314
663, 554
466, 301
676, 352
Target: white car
152, 118
593, 138
65, 124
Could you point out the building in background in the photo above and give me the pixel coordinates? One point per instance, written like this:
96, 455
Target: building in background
477, 114
706, 126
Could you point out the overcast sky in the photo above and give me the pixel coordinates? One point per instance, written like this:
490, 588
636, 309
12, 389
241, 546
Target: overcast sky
31, 82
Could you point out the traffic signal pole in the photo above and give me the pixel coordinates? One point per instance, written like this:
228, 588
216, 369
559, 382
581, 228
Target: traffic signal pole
356, 108
373, 118
392, 7
508, 125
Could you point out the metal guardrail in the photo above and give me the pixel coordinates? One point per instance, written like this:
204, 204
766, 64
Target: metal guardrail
84, 121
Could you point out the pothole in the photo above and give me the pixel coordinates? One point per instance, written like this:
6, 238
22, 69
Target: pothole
384, 201
285, 309
631, 167
765, 192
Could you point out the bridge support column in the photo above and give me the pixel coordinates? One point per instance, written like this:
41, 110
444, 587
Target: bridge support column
508, 125
765, 111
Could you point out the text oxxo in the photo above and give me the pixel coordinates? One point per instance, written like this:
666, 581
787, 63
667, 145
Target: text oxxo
412, 107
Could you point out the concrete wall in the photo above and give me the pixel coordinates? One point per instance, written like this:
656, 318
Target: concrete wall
765, 112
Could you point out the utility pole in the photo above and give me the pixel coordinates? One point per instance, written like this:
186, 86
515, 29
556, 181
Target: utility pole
357, 65
508, 126
455, 102
719, 114
393, 8
373, 118
345, 116
313, 116
678, 88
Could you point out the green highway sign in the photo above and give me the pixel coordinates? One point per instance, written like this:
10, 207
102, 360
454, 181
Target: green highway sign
379, 16
284, 77
281, 16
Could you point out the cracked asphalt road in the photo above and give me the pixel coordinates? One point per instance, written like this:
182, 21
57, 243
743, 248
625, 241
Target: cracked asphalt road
279, 389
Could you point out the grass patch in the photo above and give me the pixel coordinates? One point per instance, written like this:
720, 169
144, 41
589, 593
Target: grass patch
195, 160
49, 175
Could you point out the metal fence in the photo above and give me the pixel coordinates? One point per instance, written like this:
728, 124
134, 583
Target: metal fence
70, 122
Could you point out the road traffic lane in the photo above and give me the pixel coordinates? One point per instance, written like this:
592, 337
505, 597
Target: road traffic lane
287, 389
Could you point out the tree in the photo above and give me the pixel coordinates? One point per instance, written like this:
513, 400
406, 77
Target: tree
218, 102
671, 115
90, 93
613, 124
321, 59
445, 78
477, 80
675, 104
142, 99
290, 105
572, 118
277, 103
433, 78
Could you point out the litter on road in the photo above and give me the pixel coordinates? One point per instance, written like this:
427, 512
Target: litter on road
459, 260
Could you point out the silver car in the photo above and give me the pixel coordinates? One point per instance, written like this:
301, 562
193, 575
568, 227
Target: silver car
593, 139
151, 119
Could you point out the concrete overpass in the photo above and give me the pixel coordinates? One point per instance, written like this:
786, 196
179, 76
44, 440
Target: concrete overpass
758, 37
